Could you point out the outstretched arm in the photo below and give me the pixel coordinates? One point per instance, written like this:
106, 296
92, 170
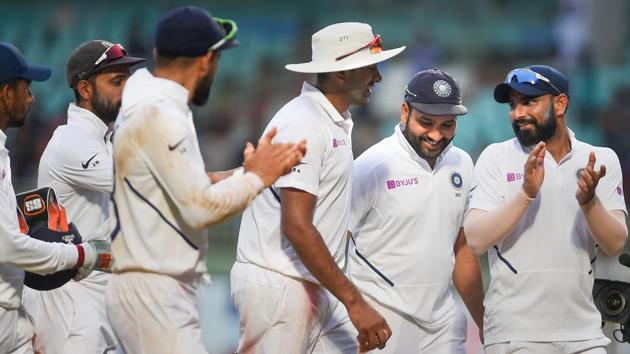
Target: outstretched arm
486, 228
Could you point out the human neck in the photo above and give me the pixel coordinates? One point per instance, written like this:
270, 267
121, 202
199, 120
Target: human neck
182, 77
560, 144
335, 95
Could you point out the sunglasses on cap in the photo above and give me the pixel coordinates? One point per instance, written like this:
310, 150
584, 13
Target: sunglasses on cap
525, 75
375, 46
230, 29
112, 53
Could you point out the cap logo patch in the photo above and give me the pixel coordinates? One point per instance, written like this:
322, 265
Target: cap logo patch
442, 88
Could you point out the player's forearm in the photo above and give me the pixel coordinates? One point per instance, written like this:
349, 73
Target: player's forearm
316, 257
218, 176
224, 199
36, 256
468, 281
486, 228
608, 229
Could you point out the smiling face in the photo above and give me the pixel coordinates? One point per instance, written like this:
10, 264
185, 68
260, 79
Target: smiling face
428, 135
533, 118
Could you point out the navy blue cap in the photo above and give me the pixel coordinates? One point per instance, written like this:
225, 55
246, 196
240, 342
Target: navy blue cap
13, 65
435, 92
190, 31
557, 84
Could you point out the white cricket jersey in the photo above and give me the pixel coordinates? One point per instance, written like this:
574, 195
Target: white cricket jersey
163, 197
324, 172
541, 276
405, 220
77, 164
18, 252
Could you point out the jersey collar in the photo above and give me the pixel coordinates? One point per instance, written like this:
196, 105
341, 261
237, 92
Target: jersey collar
87, 121
344, 120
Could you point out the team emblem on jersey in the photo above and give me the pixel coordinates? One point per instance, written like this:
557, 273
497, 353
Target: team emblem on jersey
456, 180
442, 88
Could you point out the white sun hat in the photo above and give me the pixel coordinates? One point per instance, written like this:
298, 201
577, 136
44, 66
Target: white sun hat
344, 46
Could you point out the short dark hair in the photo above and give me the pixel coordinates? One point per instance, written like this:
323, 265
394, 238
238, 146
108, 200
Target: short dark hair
13, 82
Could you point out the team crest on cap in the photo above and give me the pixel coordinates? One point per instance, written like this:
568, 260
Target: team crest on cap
456, 180
442, 88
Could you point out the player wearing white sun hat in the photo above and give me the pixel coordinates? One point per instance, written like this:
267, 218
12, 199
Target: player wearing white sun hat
286, 283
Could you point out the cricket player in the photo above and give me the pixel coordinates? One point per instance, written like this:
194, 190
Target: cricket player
163, 198
77, 164
542, 204
409, 196
19, 252
287, 283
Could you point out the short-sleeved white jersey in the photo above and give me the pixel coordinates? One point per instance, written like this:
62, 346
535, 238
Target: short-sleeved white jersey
541, 276
325, 172
77, 164
163, 197
405, 220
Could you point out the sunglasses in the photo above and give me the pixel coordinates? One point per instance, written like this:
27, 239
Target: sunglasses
230, 29
112, 53
374, 46
524, 75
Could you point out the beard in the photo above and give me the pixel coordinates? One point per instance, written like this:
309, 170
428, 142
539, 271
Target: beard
17, 119
202, 91
416, 143
540, 132
106, 110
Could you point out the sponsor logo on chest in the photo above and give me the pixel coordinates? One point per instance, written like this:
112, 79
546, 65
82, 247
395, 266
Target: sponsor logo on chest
403, 182
514, 176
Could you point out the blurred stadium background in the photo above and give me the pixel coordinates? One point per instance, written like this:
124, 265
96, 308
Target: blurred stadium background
478, 41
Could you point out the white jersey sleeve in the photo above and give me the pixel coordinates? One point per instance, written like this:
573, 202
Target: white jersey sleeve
487, 190
28, 253
610, 188
88, 169
306, 175
364, 192
171, 158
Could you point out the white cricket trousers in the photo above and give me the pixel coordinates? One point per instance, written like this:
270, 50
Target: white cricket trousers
16, 332
408, 337
154, 314
280, 314
591, 346
71, 319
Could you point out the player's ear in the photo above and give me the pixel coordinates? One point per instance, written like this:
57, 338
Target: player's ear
404, 113
85, 90
560, 104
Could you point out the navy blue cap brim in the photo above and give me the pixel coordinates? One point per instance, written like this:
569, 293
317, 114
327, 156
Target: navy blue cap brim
502, 91
440, 109
36, 73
